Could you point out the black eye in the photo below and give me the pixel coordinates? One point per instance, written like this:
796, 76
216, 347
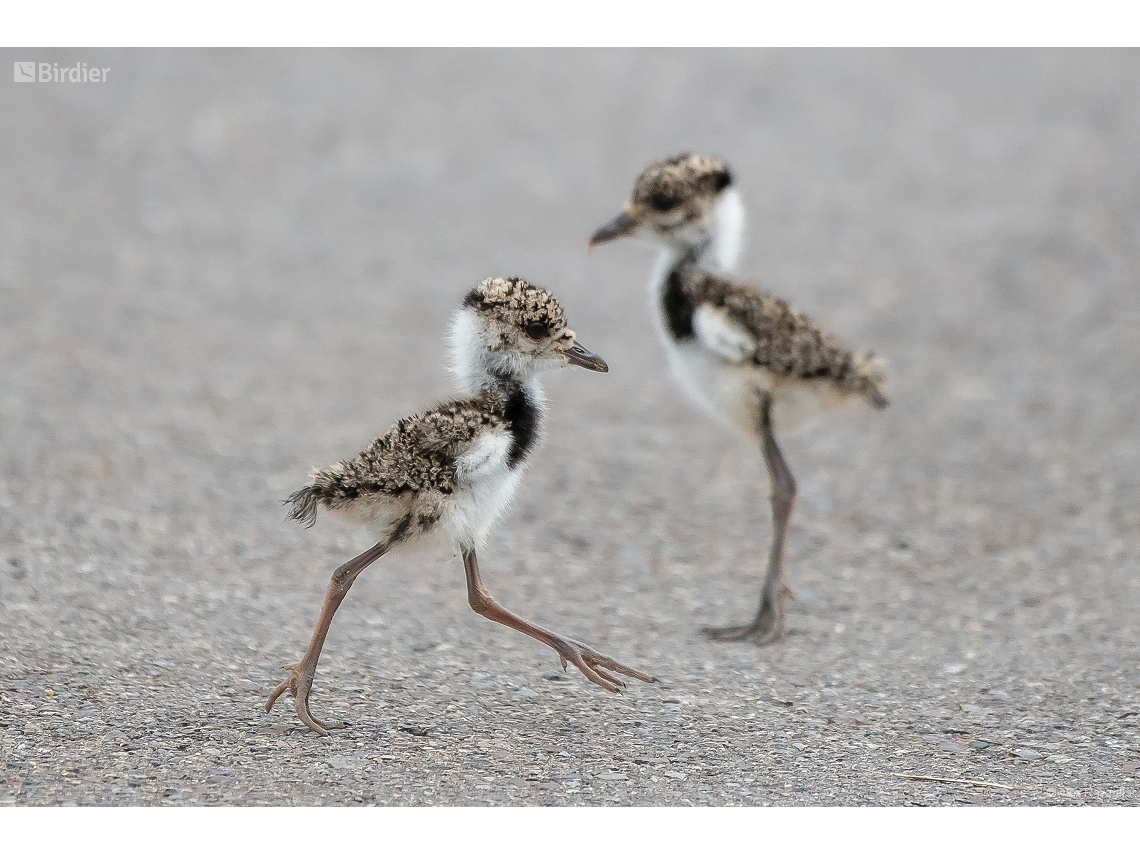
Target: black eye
536, 330
662, 201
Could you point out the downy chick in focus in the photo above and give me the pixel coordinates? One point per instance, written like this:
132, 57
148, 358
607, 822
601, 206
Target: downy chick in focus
444, 476
745, 356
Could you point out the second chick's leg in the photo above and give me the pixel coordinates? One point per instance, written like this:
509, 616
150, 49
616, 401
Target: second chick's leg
768, 624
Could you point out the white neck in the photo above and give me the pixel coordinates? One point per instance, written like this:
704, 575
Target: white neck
727, 231
475, 366
716, 245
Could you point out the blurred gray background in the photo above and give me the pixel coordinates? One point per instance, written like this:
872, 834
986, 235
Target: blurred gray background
221, 268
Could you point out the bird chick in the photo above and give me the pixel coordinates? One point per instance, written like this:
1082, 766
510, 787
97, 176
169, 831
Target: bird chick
743, 355
444, 476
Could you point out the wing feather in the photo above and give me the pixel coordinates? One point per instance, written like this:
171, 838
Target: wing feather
725, 336
743, 323
419, 453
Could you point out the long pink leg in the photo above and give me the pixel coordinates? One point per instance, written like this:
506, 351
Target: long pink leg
585, 659
300, 679
768, 624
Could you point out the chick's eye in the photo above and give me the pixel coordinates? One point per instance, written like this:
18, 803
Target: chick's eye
536, 330
662, 201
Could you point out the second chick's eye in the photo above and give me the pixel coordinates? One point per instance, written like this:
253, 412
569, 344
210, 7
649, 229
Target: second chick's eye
662, 202
536, 330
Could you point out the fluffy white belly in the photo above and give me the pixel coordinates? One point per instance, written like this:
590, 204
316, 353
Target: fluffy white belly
486, 485
731, 392
727, 392
473, 508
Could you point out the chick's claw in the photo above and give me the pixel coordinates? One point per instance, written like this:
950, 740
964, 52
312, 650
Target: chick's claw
594, 665
298, 684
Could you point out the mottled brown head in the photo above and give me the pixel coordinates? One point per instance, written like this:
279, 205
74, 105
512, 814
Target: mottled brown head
673, 199
678, 181
510, 329
517, 305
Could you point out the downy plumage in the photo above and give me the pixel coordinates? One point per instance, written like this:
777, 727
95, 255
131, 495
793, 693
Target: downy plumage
743, 355
445, 475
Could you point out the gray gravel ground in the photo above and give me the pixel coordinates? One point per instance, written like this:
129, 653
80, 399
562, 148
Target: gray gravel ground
219, 269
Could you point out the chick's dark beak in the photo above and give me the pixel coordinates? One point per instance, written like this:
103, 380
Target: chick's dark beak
620, 226
580, 356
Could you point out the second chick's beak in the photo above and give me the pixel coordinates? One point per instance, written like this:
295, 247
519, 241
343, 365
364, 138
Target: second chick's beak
620, 226
580, 356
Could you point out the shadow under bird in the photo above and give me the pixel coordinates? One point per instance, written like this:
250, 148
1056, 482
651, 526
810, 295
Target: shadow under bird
442, 477
745, 356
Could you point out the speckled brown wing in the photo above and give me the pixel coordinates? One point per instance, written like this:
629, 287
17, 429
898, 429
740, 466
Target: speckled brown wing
787, 342
417, 454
